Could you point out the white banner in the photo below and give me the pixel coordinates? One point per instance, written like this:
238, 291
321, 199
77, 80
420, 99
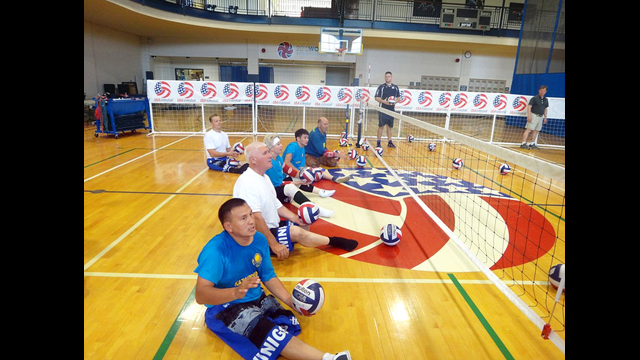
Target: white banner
219, 92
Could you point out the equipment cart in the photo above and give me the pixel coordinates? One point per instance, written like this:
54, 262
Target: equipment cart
118, 115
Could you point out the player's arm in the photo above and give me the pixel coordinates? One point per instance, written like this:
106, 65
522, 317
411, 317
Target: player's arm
287, 214
217, 154
207, 293
380, 100
280, 250
275, 286
287, 161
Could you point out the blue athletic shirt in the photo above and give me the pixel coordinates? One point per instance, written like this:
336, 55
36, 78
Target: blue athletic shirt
226, 263
317, 143
275, 173
297, 154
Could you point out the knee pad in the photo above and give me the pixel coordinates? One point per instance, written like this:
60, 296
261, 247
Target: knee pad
290, 190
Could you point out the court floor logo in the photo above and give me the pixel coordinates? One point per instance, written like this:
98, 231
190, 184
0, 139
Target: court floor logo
502, 231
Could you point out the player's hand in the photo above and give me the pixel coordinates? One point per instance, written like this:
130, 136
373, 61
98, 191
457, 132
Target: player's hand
281, 251
249, 283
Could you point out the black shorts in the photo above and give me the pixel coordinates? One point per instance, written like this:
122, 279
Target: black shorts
384, 119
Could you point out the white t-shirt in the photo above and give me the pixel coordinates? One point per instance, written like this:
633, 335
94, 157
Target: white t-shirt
259, 193
218, 141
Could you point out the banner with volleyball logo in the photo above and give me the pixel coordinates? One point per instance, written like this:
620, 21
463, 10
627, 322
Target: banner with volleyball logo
199, 92
415, 100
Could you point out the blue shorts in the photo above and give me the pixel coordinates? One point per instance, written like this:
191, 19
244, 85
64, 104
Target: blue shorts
258, 329
216, 164
283, 234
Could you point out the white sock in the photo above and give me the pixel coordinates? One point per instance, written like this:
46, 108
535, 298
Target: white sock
327, 356
325, 212
326, 193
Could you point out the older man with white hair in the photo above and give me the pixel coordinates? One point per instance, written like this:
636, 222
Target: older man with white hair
255, 187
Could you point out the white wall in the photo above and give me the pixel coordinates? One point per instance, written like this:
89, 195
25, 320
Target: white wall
112, 57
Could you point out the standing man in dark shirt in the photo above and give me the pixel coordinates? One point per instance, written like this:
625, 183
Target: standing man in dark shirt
387, 94
536, 116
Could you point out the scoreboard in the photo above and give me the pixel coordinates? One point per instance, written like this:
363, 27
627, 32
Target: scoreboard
464, 18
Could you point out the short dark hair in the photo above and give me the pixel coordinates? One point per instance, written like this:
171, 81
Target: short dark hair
301, 132
227, 206
388, 72
212, 116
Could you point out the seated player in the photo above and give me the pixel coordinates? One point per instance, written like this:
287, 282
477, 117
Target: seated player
231, 268
295, 159
220, 156
316, 150
288, 190
255, 187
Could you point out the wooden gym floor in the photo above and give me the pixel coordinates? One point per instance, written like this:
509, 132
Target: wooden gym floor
150, 205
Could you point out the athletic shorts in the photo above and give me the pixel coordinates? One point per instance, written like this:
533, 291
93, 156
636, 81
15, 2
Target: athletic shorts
535, 123
384, 119
257, 329
283, 235
216, 164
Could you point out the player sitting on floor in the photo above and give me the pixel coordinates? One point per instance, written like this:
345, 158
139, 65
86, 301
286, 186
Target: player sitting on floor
231, 268
288, 189
220, 156
255, 187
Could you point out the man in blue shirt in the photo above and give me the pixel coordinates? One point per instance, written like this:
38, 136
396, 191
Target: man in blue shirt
230, 268
295, 158
316, 150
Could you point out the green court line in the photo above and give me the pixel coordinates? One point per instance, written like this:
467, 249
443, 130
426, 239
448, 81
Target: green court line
482, 319
168, 339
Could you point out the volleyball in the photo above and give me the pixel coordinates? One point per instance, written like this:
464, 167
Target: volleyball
365, 146
410, 138
232, 162
379, 150
556, 273
361, 161
391, 99
344, 141
308, 212
352, 154
307, 174
318, 173
308, 296
390, 234
238, 147
505, 169
458, 163
432, 146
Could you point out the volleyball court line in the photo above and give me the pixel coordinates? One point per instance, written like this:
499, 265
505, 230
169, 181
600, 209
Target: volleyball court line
132, 160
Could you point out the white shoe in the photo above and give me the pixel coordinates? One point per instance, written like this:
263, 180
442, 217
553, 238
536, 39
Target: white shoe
343, 355
325, 212
326, 193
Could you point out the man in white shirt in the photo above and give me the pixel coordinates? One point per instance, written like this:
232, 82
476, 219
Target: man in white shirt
255, 187
220, 155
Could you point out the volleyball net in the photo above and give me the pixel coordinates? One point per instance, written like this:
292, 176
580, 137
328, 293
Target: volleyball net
511, 226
